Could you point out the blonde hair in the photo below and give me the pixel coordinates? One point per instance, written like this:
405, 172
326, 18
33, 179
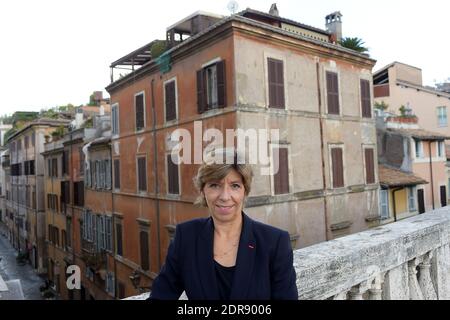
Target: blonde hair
214, 168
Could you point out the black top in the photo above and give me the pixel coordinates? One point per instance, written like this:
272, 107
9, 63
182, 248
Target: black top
224, 276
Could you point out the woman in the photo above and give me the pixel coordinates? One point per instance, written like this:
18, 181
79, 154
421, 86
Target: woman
227, 256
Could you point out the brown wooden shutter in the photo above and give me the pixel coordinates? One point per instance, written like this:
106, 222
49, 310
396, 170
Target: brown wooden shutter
370, 169
139, 101
172, 170
117, 173
143, 236
221, 84
276, 83
332, 93
281, 178
142, 173
365, 99
338, 167
170, 96
201, 92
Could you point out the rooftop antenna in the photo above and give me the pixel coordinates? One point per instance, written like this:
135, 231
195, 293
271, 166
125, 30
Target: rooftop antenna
233, 6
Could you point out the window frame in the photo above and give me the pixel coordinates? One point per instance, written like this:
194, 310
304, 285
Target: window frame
143, 113
331, 167
173, 79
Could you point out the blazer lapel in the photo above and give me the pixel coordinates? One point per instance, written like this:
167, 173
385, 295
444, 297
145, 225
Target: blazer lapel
205, 261
245, 261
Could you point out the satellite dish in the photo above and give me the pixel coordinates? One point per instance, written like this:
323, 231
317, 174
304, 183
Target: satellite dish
233, 6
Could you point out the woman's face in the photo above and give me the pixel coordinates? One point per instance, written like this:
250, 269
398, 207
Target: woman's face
225, 198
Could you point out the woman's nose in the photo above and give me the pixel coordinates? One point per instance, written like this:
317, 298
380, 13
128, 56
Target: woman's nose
225, 193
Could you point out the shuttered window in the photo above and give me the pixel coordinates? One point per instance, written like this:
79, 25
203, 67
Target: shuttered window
115, 119
370, 168
337, 167
332, 93
140, 112
276, 83
211, 87
365, 99
143, 237
170, 99
119, 239
172, 171
108, 182
142, 174
116, 173
281, 177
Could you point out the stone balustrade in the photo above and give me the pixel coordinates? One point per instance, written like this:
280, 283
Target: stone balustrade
409, 259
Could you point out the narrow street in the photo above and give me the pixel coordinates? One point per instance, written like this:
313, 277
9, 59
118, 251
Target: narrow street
22, 281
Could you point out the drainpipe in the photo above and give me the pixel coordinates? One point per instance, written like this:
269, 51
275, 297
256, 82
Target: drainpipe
322, 152
431, 174
155, 170
394, 203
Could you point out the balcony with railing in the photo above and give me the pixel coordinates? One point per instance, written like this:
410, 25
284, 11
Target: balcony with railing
406, 260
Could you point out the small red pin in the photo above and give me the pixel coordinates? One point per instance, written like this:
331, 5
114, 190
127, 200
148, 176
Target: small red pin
251, 247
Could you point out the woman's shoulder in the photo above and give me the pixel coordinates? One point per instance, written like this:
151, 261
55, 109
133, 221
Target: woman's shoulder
193, 224
266, 229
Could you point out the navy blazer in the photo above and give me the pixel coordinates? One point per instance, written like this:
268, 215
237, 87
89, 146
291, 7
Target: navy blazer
264, 265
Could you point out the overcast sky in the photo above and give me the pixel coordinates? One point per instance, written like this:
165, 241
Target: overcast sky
56, 52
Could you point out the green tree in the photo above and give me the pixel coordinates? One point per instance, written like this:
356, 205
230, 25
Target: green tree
354, 43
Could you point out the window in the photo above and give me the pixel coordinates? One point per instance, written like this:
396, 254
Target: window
337, 166
107, 168
54, 167
63, 239
384, 204
65, 192
27, 142
142, 174
365, 99
281, 176
115, 118
173, 181
412, 199
116, 174
119, 239
211, 87
69, 232
143, 238
370, 168
441, 149
78, 193
170, 100
442, 116
332, 92
110, 283
419, 148
65, 162
108, 232
33, 139
276, 83
140, 111
82, 164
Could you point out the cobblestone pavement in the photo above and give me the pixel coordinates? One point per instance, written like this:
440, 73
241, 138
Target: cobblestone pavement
22, 281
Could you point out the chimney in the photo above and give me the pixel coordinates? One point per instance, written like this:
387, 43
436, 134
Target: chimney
274, 10
333, 24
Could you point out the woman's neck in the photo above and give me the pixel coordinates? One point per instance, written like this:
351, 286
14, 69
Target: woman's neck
228, 229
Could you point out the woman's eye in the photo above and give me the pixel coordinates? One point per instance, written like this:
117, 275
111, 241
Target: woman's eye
213, 185
236, 186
